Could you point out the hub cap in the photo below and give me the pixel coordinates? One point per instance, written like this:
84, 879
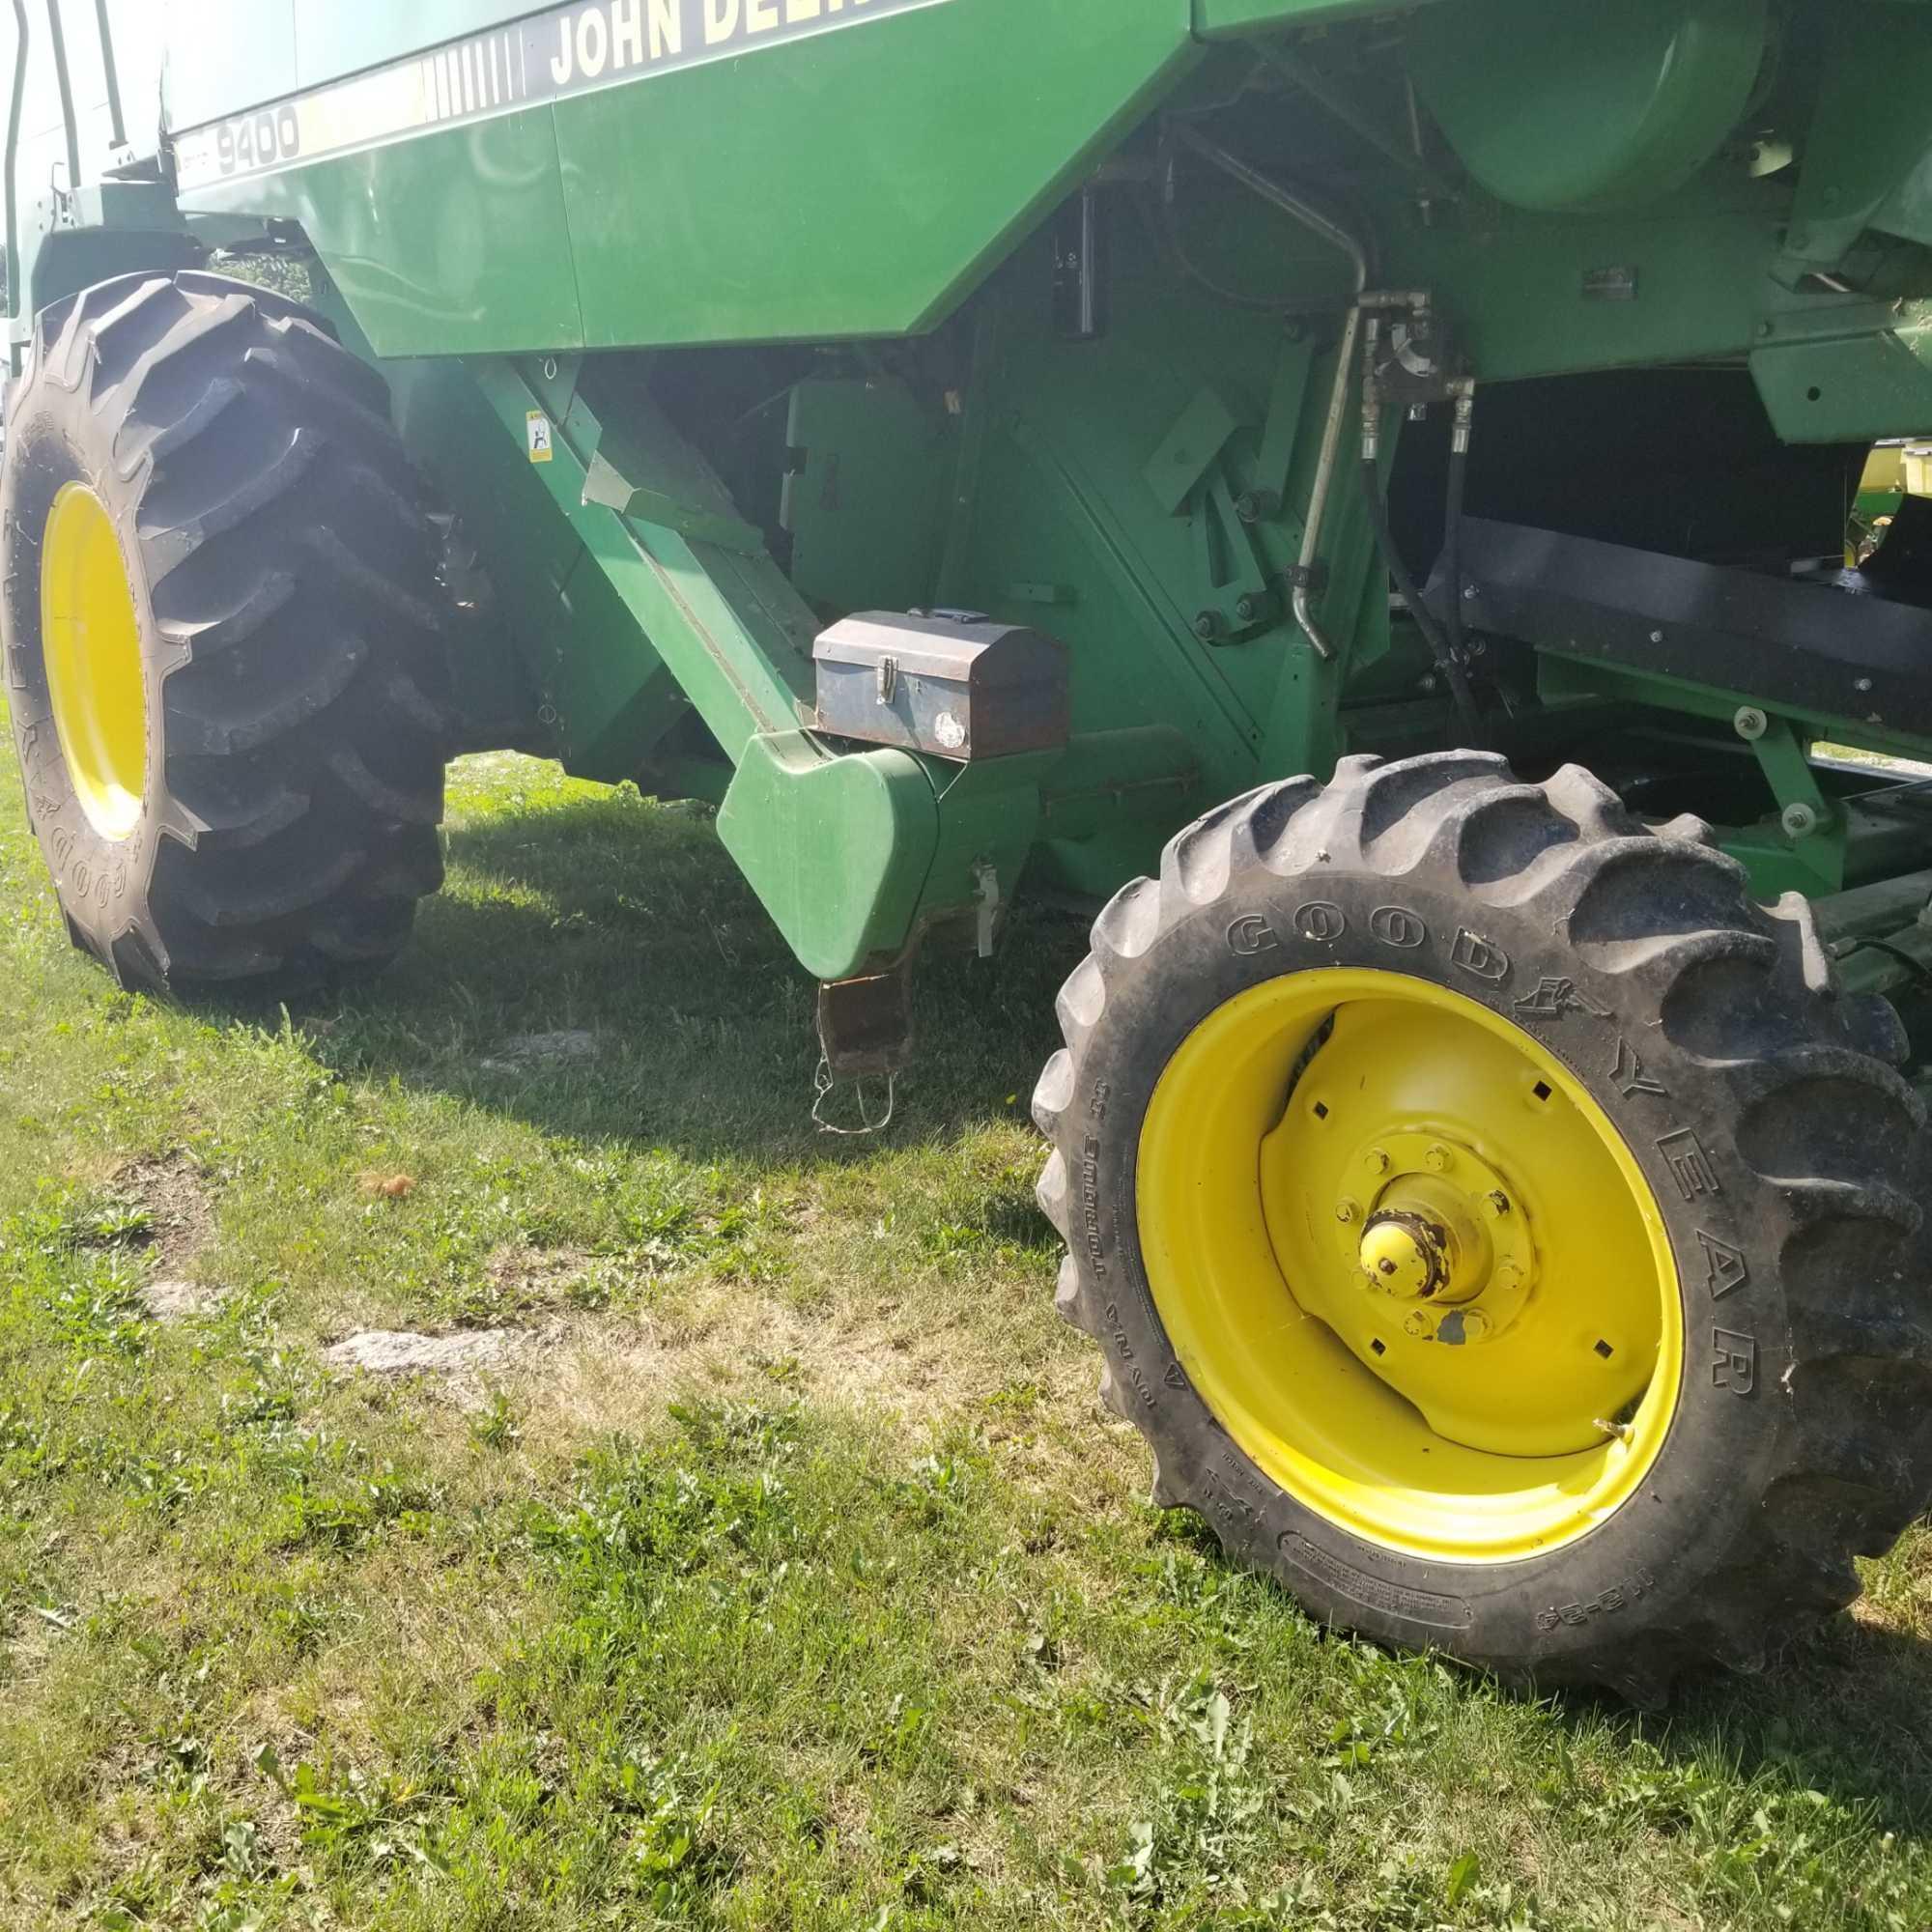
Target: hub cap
1411, 1264
92, 643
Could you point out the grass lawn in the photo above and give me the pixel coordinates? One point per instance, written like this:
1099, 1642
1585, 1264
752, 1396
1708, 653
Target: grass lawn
779, 1568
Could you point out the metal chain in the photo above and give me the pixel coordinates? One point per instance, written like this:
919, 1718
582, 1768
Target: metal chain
823, 1086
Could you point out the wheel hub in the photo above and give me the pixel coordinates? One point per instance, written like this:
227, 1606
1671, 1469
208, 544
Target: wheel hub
1407, 1255
1410, 1263
1444, 1235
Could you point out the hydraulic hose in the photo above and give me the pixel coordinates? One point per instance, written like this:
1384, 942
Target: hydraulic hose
1451, 548
1446, 660
1360, 259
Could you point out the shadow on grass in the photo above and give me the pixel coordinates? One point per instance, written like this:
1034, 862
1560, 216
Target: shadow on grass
1846, 1711
629, 923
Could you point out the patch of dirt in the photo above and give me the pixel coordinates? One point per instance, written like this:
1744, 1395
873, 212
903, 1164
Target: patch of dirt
461, 1366
757, 1348
525, 1051
180, 1300
390, 1352
180, 1205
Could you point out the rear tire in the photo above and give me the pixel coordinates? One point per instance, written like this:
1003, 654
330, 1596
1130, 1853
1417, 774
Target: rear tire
283, 823
1782, 1155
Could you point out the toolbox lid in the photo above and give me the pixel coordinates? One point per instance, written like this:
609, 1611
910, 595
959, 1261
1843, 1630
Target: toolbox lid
961, 648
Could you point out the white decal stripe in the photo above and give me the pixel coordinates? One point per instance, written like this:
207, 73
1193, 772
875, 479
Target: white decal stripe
532, 63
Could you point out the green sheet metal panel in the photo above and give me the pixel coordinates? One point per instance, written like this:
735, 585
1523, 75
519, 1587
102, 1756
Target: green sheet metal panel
224, 55
1538, 295
855, 184
1869, 156
684, 171
1580, 108
454, 243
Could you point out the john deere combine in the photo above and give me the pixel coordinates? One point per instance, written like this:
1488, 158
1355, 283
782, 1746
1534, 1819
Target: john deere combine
1360, 490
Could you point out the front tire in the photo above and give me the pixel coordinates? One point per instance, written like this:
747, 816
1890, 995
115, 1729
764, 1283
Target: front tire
1607, 1128
221, 637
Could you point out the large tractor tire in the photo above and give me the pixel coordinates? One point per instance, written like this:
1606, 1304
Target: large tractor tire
221, 633
1497, 1224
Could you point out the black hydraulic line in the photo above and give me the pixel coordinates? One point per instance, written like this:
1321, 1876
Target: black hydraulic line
13, 155
1452, 551
57, 40
1446, 662
117, 126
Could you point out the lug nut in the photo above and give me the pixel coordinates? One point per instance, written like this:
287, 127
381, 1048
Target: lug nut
1475, 1325
1348, 1210
1419, 1324
1378, 1161
1438, 1159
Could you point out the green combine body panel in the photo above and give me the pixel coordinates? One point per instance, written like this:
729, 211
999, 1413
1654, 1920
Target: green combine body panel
581, 214
990, 448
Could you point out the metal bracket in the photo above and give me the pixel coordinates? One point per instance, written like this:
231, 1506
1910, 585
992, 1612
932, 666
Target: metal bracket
1190, 449
1784, 758
609, 485
988, 905
864, 1025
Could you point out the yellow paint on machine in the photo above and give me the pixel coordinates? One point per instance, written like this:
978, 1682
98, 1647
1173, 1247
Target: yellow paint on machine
91, 645
1420, 1278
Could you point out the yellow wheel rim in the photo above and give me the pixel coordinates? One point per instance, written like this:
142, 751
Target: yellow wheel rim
92, 642
1411, 1264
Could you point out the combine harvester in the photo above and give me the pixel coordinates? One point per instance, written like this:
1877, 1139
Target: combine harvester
1361, 490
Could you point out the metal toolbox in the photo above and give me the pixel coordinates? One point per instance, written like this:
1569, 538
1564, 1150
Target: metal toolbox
953, 684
